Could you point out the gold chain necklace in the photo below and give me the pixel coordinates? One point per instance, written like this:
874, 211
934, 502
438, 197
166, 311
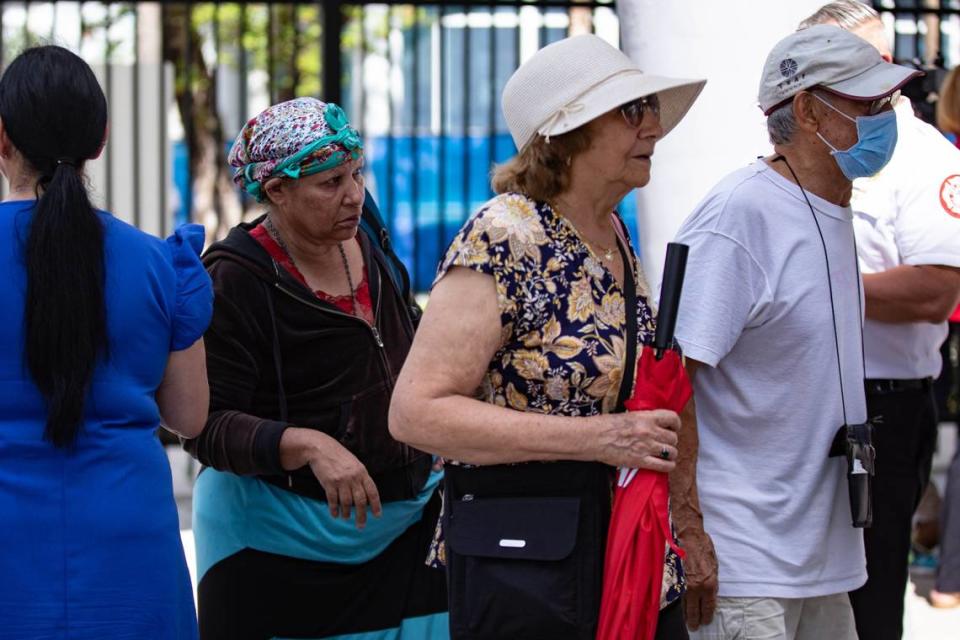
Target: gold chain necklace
272, 230
605, 253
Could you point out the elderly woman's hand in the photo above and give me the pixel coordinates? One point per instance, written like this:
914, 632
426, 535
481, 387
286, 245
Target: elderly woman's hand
343, 477
638, 439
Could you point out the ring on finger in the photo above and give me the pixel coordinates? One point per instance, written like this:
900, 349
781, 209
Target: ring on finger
665, 453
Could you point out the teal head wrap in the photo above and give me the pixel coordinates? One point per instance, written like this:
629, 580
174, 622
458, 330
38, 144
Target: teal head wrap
292, 139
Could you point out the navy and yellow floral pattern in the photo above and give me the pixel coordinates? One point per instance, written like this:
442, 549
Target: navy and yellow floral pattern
562, 314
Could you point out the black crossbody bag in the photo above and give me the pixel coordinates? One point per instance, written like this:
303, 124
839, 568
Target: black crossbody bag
525, 542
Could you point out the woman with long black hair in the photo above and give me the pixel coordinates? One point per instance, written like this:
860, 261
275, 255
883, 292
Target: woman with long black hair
100, 340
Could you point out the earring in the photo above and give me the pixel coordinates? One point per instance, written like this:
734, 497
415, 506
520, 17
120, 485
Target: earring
569, 160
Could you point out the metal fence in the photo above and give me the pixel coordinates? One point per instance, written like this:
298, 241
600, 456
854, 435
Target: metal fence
427, 99
925, 34
927, 31
421, 80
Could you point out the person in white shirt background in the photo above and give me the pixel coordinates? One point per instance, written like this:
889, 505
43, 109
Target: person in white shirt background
947, 592
907, 222
771, 328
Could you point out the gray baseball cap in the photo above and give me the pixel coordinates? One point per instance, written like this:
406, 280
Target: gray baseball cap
832, 59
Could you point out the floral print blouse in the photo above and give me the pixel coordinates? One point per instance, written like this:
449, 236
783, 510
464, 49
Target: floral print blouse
562, 340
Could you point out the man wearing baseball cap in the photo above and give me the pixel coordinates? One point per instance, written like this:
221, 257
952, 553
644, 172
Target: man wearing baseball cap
771, 321
908, 239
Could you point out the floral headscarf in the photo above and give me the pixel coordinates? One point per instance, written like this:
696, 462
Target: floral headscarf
296, 138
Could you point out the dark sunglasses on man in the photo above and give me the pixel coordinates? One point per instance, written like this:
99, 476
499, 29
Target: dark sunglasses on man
880, 104
634, 110
875, 106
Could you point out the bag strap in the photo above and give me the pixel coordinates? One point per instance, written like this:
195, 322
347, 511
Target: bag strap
277, 359
630, 295
372, 222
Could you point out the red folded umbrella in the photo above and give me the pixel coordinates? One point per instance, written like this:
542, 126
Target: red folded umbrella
640, 525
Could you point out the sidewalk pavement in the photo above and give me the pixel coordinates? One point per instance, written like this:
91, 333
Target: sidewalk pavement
923, 622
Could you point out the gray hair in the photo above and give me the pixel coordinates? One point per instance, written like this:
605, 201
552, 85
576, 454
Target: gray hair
847, 14
781, 125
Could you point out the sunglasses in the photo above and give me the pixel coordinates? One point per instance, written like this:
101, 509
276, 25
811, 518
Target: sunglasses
633, 111
877, 105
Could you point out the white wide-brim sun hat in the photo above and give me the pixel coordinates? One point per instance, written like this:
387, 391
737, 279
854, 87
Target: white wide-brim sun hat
568, 83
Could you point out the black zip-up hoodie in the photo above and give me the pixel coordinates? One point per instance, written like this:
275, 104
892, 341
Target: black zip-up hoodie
278, 356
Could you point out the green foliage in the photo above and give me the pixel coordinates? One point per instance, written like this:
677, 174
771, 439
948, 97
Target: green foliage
281, 40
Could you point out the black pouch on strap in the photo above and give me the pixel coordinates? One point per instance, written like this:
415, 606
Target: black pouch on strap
518, 528
525, 549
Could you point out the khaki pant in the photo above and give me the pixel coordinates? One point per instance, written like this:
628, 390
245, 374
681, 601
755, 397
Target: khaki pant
823, 618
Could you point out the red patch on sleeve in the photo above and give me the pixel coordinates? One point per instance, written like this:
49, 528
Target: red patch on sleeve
950, 195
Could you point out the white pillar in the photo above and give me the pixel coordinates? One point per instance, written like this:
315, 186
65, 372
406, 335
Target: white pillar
727, 43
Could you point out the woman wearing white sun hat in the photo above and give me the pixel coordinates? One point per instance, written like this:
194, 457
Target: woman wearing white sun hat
539, 304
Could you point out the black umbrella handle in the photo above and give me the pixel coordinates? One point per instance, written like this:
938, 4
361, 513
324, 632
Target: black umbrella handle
673, 272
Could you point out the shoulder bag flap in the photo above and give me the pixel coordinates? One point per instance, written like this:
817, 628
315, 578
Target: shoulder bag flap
517, 528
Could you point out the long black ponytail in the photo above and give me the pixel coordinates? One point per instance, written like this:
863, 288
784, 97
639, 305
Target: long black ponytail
55, 114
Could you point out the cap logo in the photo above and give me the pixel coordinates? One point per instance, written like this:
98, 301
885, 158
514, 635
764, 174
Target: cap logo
788, 67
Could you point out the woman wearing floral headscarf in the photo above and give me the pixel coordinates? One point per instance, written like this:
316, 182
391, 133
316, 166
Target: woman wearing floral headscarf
310, 520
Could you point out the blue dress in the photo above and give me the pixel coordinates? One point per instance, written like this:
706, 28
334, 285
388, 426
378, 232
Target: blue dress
89, 540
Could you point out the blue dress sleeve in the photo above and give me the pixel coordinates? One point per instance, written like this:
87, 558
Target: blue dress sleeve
193, 306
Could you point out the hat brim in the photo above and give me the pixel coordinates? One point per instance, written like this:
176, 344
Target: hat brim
676, 96
876, 82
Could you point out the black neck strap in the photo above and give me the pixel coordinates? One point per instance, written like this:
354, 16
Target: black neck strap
833, 310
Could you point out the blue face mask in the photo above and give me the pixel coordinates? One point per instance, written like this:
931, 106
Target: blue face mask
876, 139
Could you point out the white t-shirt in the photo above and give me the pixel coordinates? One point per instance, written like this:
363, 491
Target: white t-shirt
756, 308
909, 213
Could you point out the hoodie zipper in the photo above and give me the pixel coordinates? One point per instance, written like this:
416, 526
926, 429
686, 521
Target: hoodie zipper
374, 331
